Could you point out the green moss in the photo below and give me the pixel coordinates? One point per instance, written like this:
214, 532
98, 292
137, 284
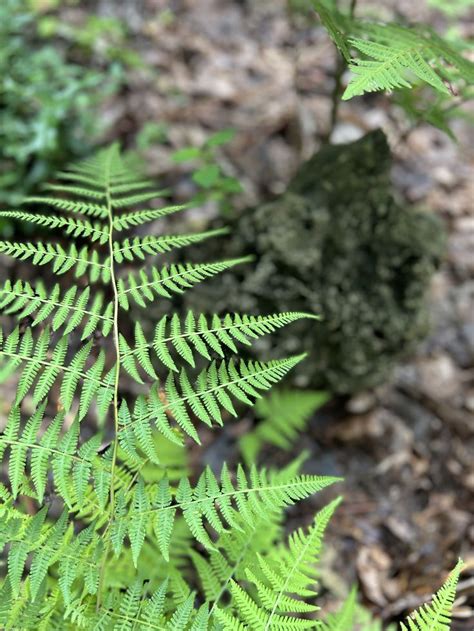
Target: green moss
338, 244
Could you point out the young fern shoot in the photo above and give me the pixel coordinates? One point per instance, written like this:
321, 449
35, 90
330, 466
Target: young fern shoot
97, 531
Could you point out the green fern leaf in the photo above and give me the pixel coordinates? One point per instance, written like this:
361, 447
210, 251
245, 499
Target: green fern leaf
344, 619
394, 52
170, 279
69, 309
76, 206
139, 247
284, 415
80, 261
199, 337
213, 391
74, 227
140, 217
221, 503
437, 615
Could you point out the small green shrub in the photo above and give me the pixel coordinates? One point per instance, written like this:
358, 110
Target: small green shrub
208, 176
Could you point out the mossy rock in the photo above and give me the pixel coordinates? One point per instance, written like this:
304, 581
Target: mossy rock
338, 244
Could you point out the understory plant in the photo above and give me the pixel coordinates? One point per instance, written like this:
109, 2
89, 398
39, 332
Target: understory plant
430, 74
47, 103
102, 523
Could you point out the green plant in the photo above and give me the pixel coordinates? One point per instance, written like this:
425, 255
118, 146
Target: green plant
283, 416
46, 103
403, 58
59, 364
104, 529
208, 176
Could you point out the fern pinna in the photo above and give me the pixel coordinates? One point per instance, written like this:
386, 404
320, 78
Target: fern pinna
96, 530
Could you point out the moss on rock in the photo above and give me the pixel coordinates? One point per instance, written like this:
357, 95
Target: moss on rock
336, 243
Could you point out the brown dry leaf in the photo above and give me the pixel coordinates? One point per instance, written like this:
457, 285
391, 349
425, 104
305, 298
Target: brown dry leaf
373, 568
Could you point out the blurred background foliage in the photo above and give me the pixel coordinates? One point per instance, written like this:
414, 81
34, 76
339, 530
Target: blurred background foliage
55, 78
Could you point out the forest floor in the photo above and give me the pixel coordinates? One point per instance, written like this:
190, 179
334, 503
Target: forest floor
406, 450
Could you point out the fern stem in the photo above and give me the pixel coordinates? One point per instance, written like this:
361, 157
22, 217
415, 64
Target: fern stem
116, 339
341, 67
231, 575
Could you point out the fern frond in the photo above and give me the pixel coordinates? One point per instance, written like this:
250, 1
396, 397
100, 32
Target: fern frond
282, 579
81, 261
69, 309
125, 490
199, 336
139, 247
175, 278
132, 200
212, 392
45, 365
436, 616
343, 620
394, 52
284, 415
218, 503
76, 190
74, 227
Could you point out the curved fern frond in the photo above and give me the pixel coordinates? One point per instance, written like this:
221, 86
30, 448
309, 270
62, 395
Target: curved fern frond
175, 278
282, 581
80, 262
139, 247
436, 616
74, 227
45, 364
198, 336
392, 53
68, 309
214, 390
